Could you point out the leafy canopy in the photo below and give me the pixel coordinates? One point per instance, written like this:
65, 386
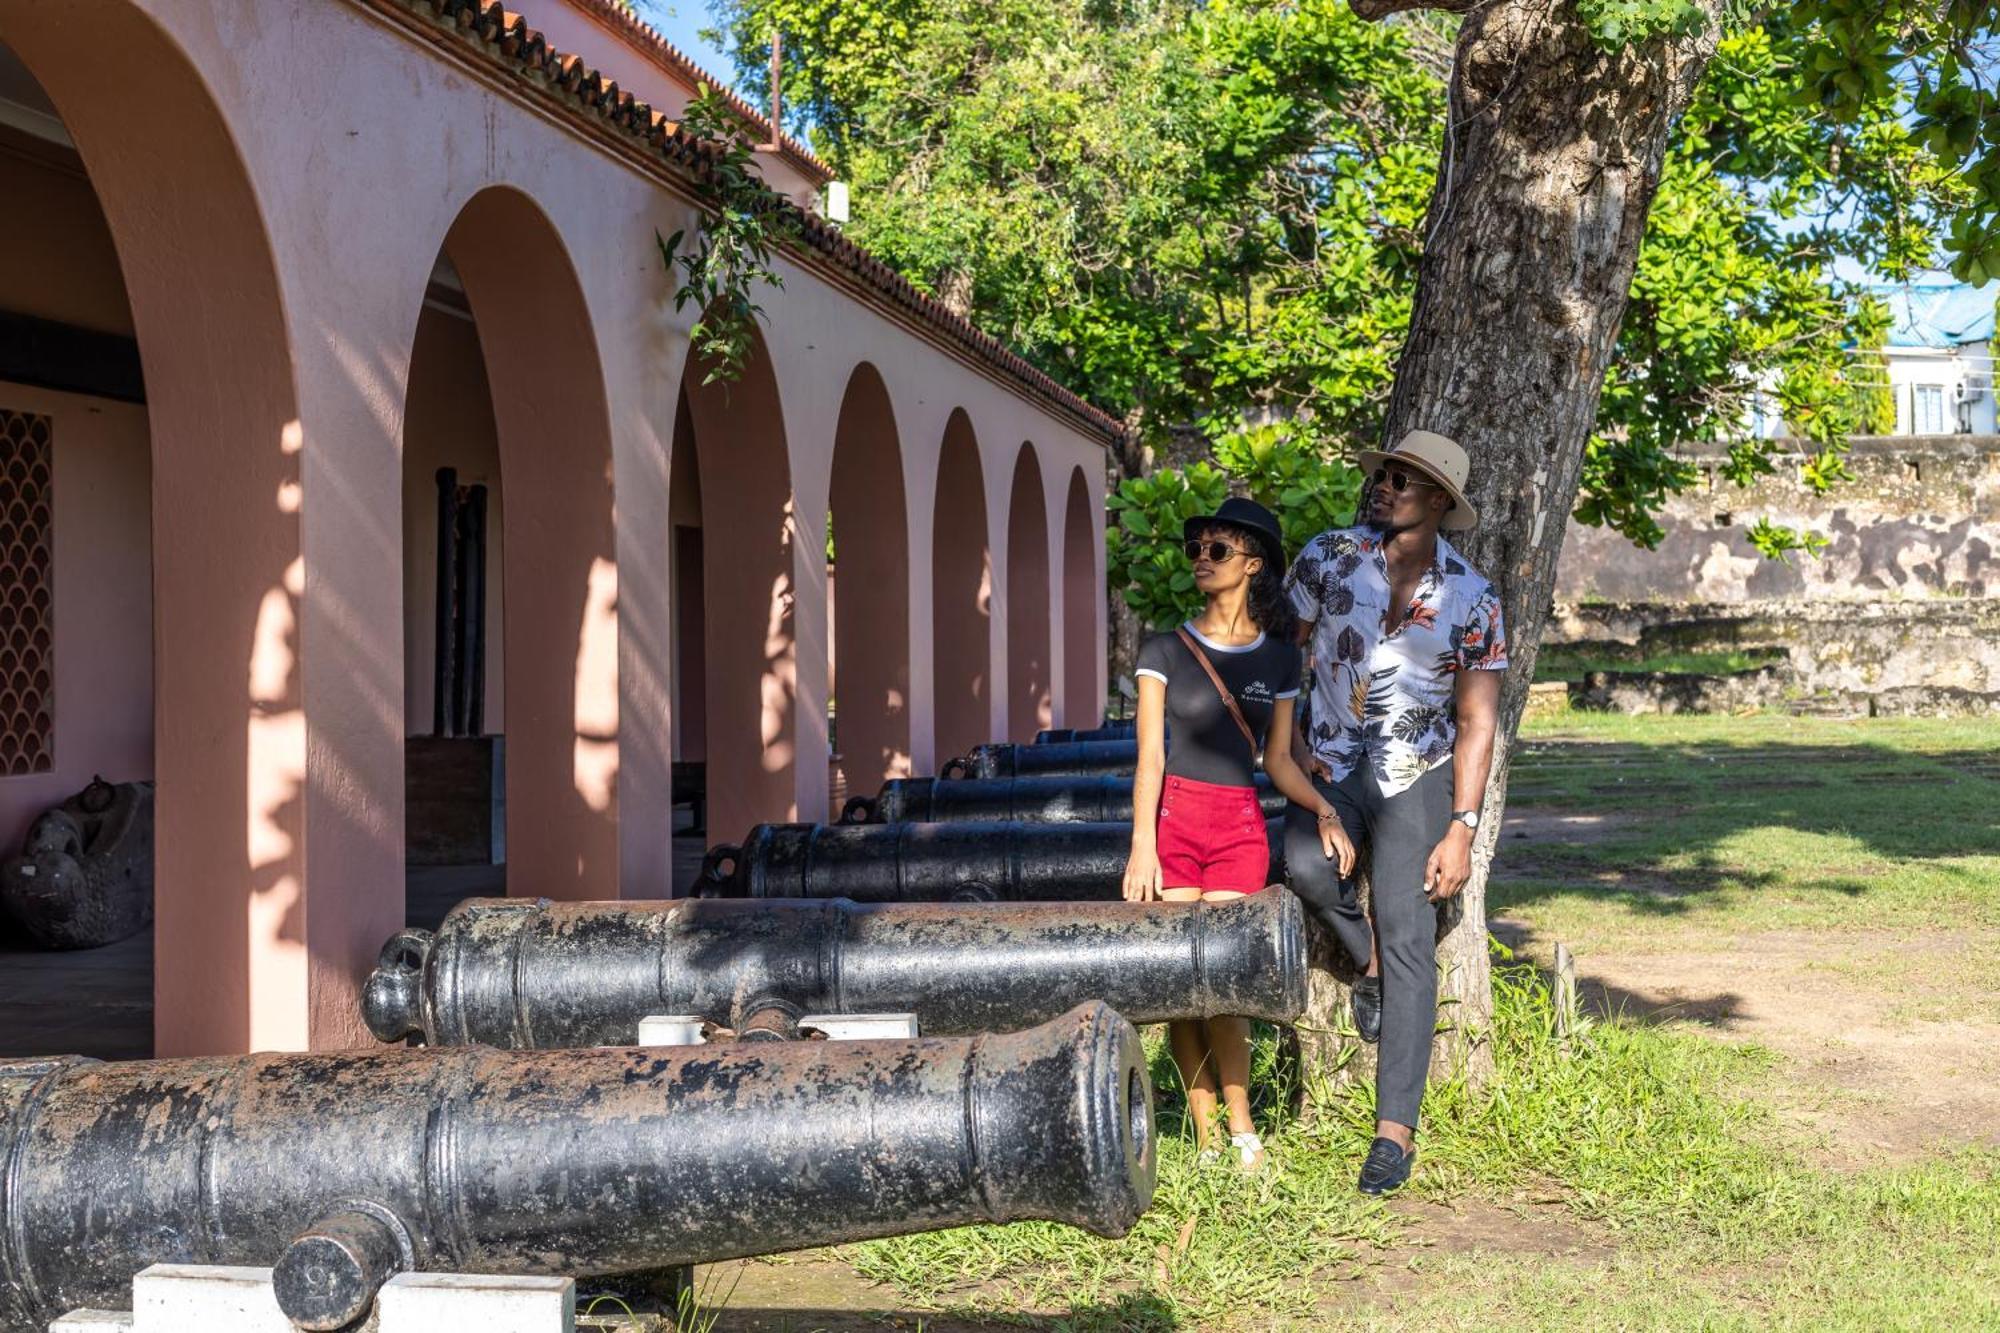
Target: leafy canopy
1207, 215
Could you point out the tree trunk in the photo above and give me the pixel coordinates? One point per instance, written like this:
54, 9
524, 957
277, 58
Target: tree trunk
1553, 151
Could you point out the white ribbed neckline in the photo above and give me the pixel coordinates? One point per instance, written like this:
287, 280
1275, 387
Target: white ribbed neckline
1207, 642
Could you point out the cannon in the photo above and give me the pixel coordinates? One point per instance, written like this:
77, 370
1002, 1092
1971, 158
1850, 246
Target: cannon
515, 972
341, 1170
1071, 759
1057, 800
929, 863
1110, 731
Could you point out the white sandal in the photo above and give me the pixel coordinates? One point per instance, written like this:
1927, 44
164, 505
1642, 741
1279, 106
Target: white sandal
1249, 1148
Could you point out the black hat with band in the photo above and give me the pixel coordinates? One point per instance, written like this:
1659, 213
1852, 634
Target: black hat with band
1251, 517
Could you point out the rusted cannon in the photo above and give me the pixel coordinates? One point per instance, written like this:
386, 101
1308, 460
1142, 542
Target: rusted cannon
343, 1169
928, 863
1110, 731
515, 972
1073, 759
1073, 800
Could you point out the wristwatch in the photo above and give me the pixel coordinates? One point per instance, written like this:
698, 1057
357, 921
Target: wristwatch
1469, 818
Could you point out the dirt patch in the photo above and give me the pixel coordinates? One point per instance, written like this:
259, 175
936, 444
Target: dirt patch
1531, 1226
1542, 824
1889, 1054
814, 1293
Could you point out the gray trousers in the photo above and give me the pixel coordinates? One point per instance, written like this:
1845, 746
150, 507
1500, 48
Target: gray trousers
1396, 835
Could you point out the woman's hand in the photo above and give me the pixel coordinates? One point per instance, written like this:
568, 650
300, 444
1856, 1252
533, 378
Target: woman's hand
1142, 875
1334, 840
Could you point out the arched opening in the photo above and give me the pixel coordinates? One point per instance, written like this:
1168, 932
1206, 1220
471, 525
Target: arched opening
1028, 600
1083, 649
735, 535
868, 593
149, 340
961, 595
510, 574
454, 569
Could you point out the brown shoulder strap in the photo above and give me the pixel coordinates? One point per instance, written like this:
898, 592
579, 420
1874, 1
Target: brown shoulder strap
1228, 699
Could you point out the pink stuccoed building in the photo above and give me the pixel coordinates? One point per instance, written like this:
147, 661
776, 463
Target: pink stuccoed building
266, 266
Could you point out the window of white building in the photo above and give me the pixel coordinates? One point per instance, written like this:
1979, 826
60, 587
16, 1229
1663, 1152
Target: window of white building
1927, 410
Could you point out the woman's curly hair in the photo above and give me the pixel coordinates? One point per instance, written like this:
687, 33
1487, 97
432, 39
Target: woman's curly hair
1269, 606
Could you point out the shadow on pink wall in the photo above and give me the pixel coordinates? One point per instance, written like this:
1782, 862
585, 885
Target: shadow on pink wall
229, 733
1028, 601
749, 681
961, 595
871, 630
560, 635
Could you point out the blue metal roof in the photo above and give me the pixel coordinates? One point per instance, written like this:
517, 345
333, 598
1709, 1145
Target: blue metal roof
1936, 311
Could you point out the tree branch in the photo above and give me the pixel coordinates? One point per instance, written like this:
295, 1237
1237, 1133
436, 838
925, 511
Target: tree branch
1381, 9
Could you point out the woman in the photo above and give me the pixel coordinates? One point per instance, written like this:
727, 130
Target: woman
1225, 681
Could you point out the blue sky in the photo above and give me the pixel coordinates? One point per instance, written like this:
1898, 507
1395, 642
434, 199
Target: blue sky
680, 21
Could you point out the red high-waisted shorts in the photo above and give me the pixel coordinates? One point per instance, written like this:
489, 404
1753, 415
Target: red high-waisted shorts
1212, 837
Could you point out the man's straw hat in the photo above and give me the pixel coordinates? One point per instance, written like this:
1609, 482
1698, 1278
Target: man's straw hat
1437, 458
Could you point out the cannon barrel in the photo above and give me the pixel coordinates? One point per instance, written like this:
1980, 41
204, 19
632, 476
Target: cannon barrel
967, 861
1068, 759
1110, 731
515, 972
340, 1169
1055, 800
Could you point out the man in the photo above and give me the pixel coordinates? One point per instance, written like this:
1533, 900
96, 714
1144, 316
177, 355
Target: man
1406, 651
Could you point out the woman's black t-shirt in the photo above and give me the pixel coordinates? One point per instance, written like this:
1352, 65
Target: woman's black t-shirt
1207, 745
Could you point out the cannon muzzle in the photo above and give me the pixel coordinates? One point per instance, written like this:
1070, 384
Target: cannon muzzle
339, 1170
514, 972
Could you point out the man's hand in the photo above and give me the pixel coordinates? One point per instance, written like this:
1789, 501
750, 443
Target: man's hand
1142, 874
1450, 865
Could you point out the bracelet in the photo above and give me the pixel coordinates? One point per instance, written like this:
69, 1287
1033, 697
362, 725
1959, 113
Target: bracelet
1330, 817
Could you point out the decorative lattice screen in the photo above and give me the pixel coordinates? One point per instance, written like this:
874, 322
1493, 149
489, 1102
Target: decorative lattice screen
27, 595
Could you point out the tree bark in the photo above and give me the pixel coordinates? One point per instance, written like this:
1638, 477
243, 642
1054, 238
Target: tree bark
1553, 151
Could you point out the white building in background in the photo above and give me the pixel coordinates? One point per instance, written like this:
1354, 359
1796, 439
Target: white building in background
1937, 360
1939, 356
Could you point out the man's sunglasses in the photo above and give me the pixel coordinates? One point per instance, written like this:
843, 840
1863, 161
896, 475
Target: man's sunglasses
1399, 480
1218, 552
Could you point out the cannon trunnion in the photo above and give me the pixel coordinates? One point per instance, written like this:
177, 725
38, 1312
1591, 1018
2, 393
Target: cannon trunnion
342, 1169
514, 972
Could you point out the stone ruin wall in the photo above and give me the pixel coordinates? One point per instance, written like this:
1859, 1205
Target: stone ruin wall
1899, 614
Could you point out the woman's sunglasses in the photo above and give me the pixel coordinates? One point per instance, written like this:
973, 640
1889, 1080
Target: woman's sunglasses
1399, 481
1217, 552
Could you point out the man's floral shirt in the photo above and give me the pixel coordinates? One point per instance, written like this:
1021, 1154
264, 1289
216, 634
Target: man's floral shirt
1386, 697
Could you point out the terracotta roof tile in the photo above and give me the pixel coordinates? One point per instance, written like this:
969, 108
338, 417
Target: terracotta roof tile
677, 62
489, 31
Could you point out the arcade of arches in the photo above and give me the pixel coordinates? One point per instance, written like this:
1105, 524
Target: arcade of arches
394, 535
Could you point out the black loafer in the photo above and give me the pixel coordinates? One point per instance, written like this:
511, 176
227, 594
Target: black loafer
1387, 1167
1365, 1002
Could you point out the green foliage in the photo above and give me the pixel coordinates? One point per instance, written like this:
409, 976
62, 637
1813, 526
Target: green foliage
742, 226
1143, 539
1927, 65
1308, 492
1198, 214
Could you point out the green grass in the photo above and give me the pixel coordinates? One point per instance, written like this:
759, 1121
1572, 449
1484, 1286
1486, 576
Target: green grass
1563, 662
1651, 1137
1655, 1141
1762, 822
